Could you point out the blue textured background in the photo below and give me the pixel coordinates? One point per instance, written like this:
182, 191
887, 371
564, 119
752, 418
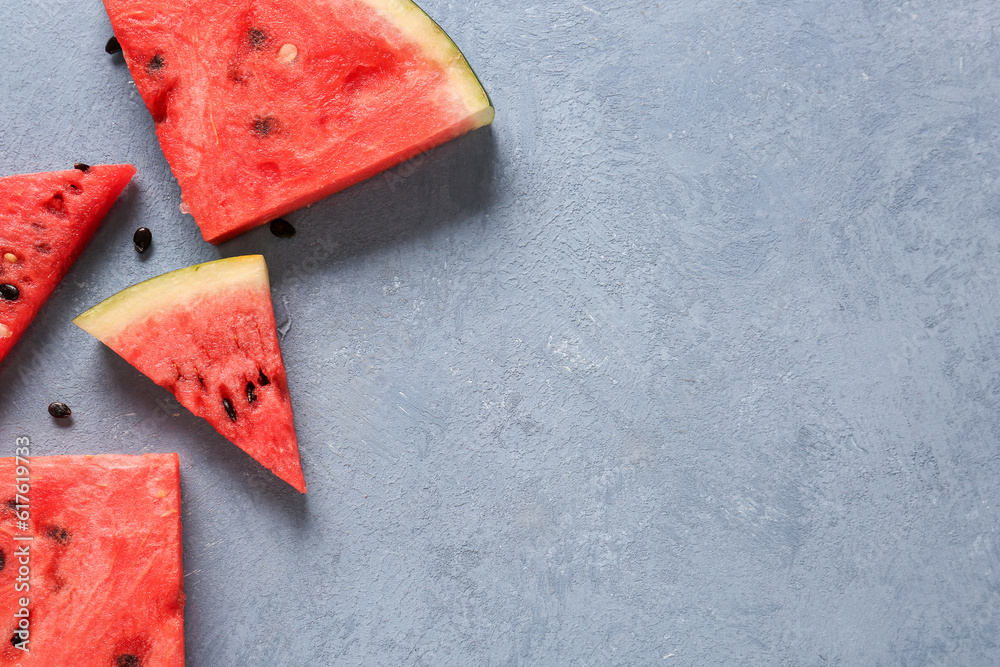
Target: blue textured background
691, 359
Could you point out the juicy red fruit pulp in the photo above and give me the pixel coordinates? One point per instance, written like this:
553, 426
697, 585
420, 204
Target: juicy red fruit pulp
264, 107
46, 220
220, 358
105, 582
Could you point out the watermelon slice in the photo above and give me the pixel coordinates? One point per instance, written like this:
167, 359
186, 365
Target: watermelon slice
45, 221
264, 106
92, 553
207, 333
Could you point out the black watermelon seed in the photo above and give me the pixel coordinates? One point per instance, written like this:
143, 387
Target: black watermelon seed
127, 660
3, 560
230, 410
264, 125
60, 535
251, 392
263, 380
59, 410
257, 38
113, 47
82, 167
12, 504
15, 639
9, 292
142, 239
156, 63
282, 228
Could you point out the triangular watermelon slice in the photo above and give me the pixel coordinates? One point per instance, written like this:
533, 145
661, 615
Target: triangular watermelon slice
264, 106
207, 333
91, 572
46, 220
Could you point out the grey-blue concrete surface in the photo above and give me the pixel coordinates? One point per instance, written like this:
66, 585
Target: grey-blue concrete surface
693, 358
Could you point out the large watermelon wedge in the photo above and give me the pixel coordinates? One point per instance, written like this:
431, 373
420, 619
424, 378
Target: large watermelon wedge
265, 106
207, 333
90, 562
46, 220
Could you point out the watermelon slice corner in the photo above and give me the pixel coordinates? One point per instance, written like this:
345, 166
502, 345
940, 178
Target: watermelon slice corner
207, 334
100, 540
46, 220
262, 107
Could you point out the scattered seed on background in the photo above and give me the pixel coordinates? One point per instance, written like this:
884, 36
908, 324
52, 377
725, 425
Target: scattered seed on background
82, 167
59, 410
142, 239
113, 47
282, 228
9, 292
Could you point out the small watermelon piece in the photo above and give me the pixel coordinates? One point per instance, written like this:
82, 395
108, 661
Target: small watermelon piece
207, 333
101, 546
46, 220
264, 106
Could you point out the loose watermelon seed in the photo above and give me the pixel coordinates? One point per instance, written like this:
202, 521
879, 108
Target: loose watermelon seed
142, 239
82, 167
9, 292
251, 392
59, 410
282, 228
156, 64
113, 47
257, 38
287, 54
230, 410
263, 379
127, 660
263, 126
10, 257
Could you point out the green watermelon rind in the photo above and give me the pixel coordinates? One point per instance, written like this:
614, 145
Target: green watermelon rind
416, 24
479, 82
136, 304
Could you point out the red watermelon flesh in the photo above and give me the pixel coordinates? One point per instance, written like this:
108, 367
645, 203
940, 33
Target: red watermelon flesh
264, 106
207, 333
105, 575
46, 220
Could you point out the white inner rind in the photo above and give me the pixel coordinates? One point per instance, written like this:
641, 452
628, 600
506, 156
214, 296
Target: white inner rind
114, 315
435, 43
